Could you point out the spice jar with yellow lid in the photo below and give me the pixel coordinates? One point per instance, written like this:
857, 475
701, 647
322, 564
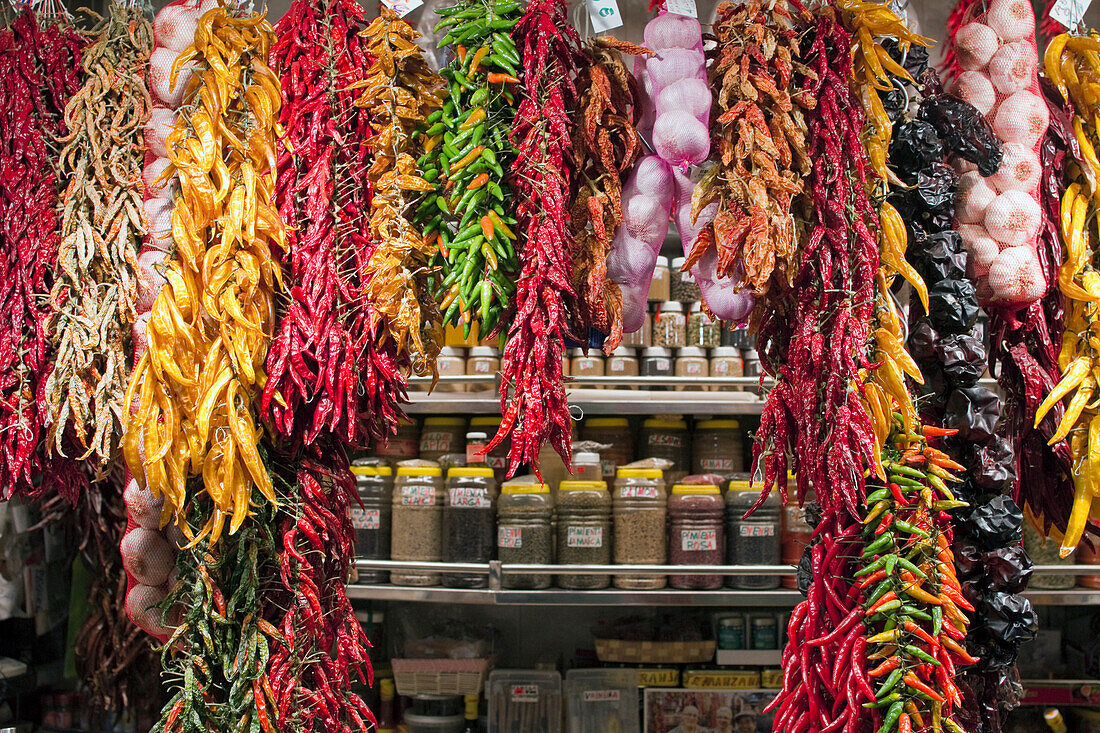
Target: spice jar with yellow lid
616, 432
717, 447
638, 504
695, 533
417, 522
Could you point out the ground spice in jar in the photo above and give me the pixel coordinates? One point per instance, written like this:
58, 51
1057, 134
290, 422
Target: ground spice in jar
725, 361
656, 362
667, 438
442, 436
641, 338
417, 522
702, 330
587, 365
584, 531
691, 362
752, 540
639, 512
524, 535
482, 361
695, 533
370, 516
660, 285
718, 447
670, 325
450, 363
623, 362
682, 285
469, 523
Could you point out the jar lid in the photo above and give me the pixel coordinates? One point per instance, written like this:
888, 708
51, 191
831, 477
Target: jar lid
655, 351
678, 262
451, 351
696, 307
372, 470
738, 485
695, 490
525, 489
592, 354
419, 471
662, 261
449, 422
476, 435
443, 722
717, 425
725, 351
481, 422
624, 351
640, 473
692, 352
586, 457
668, 423
463, 471
582, 486
670, 306
483, 351
606, 422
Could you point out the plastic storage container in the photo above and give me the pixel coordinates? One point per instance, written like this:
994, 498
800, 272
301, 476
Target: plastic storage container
670, 325
754, 540
615, 431
590, 365
420, 723
659, 286
482, 361
524, 701
451, 362
639, 507
402, 445
371, 521
417, 522
726, 361
717, 447
702, 330
695, 533
524, 514
583, 531
797, 535
623, 362
641, 338
682, 286
442, 436
497, 458
469, 523
691, 362
601, 701
667, 438
587, 467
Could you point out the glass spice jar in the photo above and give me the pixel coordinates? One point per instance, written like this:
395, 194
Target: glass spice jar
667, 438
691, 362
442, 436
752, 362
797, 534
469, 523
417, 522
702, 330
451, 362
695, 533
641, 338
639, 508
735, 335
752, 540
584, 531
659, 286
370, 518
717, 447
524, 514
656, 362
402, 445
497, 458
726, 361
482, 361
1044, 551
623, 362
587, 365
670, 325
616, 432
682, 285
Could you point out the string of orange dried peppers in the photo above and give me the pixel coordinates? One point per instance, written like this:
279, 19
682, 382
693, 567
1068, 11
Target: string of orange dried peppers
760, 140
39, 69
329, 368
605, 146
532, 393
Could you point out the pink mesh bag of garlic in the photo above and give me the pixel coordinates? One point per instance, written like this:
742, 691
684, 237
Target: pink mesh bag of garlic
999, 217
148, 552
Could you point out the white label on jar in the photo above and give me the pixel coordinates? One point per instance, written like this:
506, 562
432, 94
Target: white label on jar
666, 440
757, 530
418, 496
660, 364
639, 492
584, 537
482, 366
525, 693
510, 537
716, 465
698, 540
477, 498
601, 695
616, 366
437, 441
694, 368
365, 518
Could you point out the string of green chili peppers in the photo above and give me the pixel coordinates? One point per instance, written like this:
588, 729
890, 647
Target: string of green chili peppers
468, 216
912, 602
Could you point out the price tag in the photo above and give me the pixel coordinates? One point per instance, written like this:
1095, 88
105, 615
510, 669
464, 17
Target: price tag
1069, 12
584, 537
604, 14
698, 540
402, 7
682, 7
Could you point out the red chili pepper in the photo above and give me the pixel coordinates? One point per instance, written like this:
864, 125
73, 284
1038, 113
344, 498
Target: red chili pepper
890, 596
914, 628
495, 78
916, 684
885, 524
899, 497
873, 578
885, 668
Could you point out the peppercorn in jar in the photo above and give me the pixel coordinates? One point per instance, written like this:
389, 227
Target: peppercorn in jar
417, 522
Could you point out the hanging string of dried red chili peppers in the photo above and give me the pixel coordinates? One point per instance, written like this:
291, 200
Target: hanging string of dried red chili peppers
328, 368
812, 335
40, 68
605, 146
535, 408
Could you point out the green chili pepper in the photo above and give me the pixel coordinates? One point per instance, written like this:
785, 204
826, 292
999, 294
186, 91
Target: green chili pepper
909, 528
937, 620
916, 613
912, 568
888, 700
881, 562
920, 654
898, 468
882, 543
878, 496
889, 684
880, 590
890, 721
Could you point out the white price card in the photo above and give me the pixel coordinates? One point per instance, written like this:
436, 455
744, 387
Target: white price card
682, 7
402, 7
1069, 12
605, 15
